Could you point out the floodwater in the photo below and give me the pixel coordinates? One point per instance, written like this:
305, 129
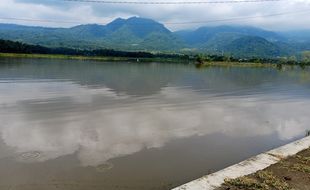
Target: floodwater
84, 125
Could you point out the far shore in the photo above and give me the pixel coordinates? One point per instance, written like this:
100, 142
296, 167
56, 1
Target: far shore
95, 58
145, 60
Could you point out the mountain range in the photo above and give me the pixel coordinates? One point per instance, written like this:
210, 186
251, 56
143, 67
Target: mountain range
143, 34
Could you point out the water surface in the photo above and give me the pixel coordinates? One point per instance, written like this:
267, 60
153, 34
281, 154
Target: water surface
84, 125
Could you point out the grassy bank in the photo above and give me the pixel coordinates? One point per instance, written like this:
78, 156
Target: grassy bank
50, 56
292, 173
95, 58
106, 58
153, 59
236, 64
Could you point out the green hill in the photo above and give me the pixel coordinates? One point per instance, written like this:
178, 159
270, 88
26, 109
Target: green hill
204, 34
141, 34
130, 34
250, 46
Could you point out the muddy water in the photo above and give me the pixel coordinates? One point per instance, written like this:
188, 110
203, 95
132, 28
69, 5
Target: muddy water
82, 125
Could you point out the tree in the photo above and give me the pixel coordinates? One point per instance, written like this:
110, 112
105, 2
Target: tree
227, 58
306, 56
200, 58
292, 60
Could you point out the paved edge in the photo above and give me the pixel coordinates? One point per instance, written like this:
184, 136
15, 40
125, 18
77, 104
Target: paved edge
249, 166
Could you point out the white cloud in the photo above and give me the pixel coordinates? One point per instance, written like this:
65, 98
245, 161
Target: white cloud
103, 13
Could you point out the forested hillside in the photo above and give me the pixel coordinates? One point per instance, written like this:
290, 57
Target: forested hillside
7, 46
140, 34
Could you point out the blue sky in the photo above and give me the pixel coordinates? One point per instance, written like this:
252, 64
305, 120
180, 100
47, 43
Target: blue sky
103, 13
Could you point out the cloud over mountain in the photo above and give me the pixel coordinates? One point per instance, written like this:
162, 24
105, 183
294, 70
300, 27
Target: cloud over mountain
103, 13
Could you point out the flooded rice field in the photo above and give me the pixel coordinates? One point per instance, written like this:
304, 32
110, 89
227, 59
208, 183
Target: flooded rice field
85, 125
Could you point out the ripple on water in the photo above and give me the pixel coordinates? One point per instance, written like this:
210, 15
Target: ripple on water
29, 156
104, 167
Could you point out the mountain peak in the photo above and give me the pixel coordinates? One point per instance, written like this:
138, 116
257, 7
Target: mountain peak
140, 27
116, 24
133, 20
140, 19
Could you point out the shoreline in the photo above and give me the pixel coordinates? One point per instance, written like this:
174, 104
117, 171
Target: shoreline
146, 60
236, 64
90, 58
292, 173
247, 167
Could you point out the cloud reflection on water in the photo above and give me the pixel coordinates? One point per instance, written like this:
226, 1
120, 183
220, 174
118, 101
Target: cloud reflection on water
99, 125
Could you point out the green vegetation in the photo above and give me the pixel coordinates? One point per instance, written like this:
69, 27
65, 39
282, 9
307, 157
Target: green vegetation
261, 180
250, 46
17, 49
140, 34
306, 56
21, 50
289, 173
244, 182
95, 58
301, 168
302, 164
58, 56
227, 60
121, 34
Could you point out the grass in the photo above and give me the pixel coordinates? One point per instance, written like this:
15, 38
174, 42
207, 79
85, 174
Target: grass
244, 183
301, 168
248, 64
238, 64
303, 159
50, 56
262, 180
156, 59
95, 58
292, 173
272, 181
301, 165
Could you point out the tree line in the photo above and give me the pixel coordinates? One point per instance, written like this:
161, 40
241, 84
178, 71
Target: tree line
304, 59
7, 46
